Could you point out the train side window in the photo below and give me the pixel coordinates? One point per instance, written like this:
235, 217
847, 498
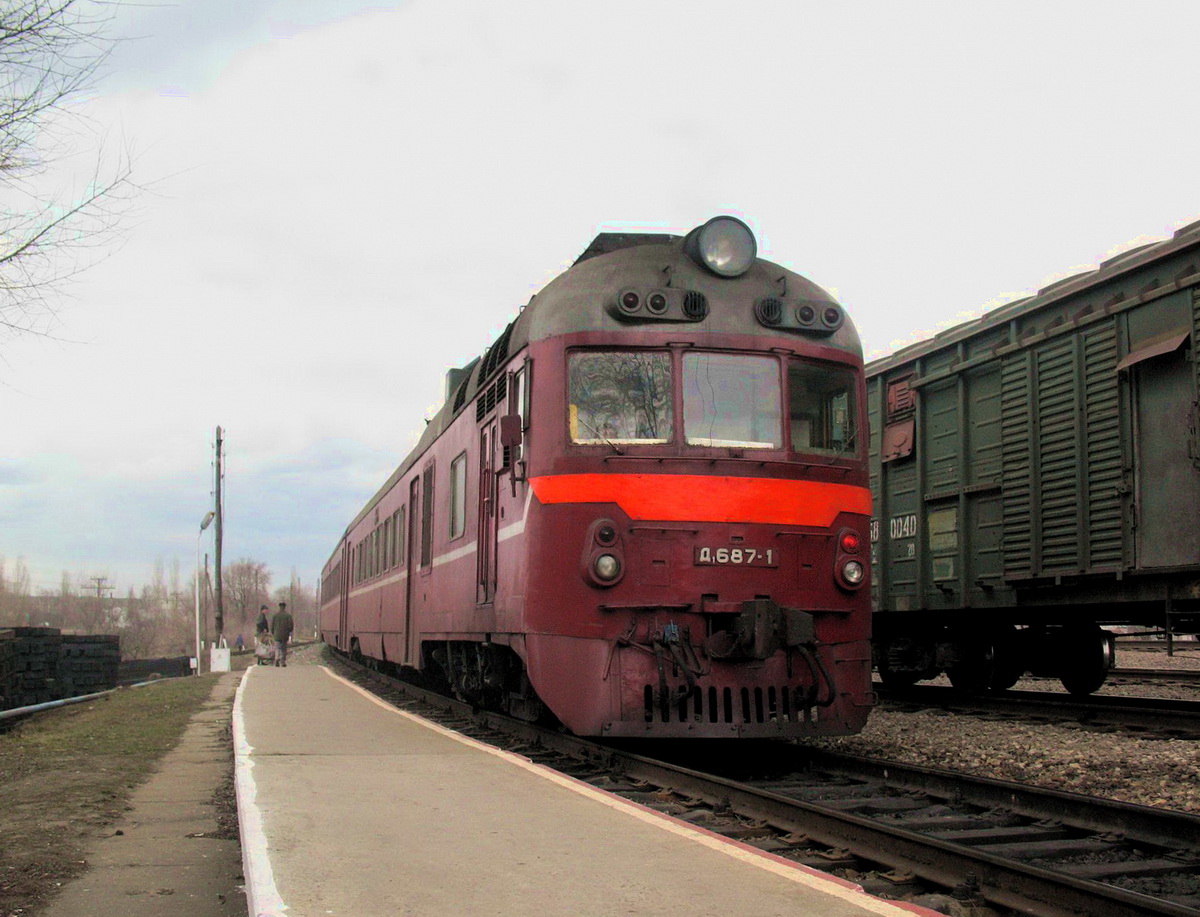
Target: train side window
620, 397
732, 400
398, 537
458, 496
520, 396
427, 518
821, 408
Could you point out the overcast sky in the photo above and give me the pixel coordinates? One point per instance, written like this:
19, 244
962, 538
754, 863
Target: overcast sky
344, 199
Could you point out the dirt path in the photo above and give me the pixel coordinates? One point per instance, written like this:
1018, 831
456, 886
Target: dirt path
176, 851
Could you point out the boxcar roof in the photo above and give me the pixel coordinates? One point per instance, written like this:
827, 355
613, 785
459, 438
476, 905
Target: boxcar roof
1115, 267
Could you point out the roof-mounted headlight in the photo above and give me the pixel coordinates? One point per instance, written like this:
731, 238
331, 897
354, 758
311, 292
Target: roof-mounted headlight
724, 245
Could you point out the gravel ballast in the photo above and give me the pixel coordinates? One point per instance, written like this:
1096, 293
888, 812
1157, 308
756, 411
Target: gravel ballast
1161, 772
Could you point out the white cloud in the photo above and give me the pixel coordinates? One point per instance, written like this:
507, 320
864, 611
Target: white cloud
339, 215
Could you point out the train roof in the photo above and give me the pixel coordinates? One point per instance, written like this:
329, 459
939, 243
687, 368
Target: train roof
1119, 266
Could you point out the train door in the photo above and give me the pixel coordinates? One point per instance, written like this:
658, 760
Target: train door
411, 643
1167, 479
486, 549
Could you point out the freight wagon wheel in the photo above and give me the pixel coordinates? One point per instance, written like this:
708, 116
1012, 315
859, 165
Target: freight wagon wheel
892, 678
1088, 653
988, 661
1008, 663
975, 668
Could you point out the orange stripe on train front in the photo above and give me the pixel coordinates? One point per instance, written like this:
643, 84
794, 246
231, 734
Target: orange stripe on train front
708, 498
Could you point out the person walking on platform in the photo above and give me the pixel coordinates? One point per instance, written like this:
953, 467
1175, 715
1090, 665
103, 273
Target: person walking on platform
261, 626
281, 630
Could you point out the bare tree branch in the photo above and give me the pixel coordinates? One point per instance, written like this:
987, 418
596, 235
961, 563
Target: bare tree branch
50, 52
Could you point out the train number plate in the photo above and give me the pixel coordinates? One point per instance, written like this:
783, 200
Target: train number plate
737, 557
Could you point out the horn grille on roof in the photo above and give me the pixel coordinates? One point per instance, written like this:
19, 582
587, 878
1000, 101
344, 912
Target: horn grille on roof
769, 311
695, 305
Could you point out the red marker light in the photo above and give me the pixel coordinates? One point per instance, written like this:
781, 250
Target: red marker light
851, 543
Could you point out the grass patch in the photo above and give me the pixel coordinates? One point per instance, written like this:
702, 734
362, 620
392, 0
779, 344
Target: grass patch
68, 775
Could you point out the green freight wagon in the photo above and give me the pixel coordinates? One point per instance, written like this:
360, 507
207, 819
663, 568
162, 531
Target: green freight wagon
1036, 475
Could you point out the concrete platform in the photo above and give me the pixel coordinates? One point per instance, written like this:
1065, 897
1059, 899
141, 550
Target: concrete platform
350, 807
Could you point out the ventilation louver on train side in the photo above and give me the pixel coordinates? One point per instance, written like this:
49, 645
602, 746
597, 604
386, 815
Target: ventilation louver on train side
461, 395
495, 357
495, 394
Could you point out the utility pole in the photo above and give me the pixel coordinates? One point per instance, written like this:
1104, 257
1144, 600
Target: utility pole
220, 611
100, 583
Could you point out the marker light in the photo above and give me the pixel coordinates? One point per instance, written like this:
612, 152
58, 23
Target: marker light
607, 567
725, 245
853, 572
851, 542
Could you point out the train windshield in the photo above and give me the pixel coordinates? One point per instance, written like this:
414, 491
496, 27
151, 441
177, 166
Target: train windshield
732, 400
821, 408
621, 396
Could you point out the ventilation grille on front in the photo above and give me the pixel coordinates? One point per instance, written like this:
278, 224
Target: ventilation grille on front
730, 705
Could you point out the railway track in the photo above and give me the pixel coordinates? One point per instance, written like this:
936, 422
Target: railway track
1182, 646
1018, 849
1148, 715
1154, 676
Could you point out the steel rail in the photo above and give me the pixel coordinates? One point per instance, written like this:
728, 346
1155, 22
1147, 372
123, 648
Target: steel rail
1146, 714
1129, 674
1010, 883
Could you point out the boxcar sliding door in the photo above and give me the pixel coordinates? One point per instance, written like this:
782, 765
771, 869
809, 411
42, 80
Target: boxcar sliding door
1167, 478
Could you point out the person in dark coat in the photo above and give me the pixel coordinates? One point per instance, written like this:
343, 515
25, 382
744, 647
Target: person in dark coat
261, 626
281, 630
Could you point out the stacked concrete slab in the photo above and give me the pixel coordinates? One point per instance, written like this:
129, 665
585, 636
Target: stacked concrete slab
8, 667
40, 664
89, 663
37, 665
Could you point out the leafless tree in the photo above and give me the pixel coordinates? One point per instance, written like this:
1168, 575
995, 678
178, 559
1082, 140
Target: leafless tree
247, 586
302, 603
50, 55
15, 599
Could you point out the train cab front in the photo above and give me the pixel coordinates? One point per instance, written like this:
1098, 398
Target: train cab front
702, 514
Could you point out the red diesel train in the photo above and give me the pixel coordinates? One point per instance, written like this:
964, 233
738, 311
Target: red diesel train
644, 510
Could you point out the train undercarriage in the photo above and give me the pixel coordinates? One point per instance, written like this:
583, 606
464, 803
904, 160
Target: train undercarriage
994, 657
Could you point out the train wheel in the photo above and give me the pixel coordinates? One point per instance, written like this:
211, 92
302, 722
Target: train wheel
1089, 652
894, 679
1008, 662
975, 664
904, 661
970, 678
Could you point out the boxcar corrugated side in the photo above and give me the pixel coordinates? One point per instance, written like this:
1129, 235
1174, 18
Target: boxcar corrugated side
1036, 475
